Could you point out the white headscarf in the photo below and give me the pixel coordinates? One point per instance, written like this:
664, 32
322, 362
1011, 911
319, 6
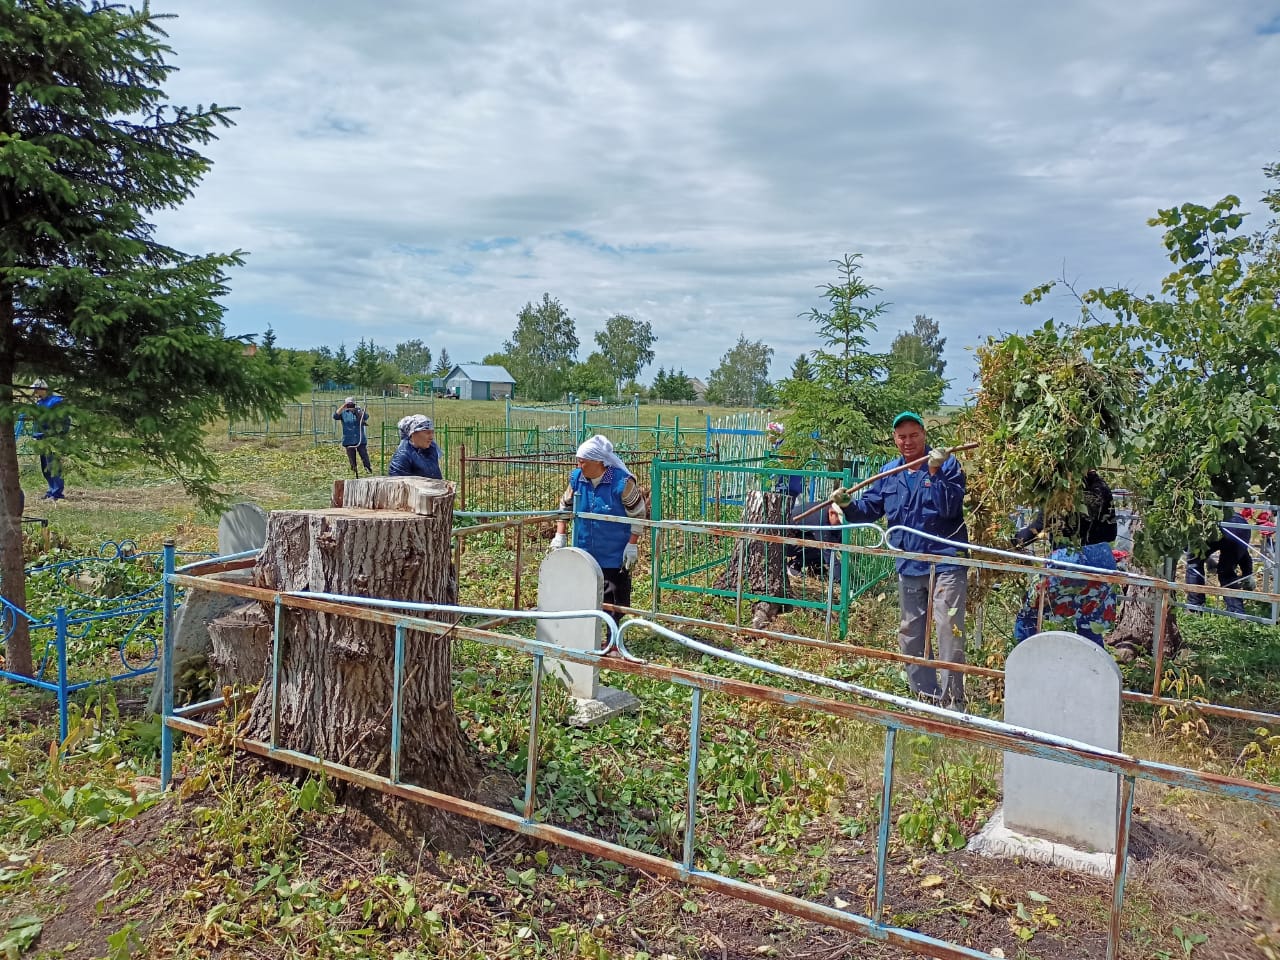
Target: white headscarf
599, 448
412, 424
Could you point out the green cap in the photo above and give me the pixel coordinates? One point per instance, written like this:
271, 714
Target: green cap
908, 415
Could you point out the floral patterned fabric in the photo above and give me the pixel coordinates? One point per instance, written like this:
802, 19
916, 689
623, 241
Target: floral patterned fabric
1086, 607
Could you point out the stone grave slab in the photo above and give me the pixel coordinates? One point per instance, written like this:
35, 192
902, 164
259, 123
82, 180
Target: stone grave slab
243, 527
570, 579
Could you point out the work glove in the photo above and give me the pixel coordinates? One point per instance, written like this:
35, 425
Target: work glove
558, 541
630, 556
937, 457
841, 497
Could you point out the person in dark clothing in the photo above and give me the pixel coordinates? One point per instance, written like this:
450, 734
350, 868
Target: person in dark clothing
792, 484
355, 433
50, 424
821, 527
1083, 538
1235, 564
417, 455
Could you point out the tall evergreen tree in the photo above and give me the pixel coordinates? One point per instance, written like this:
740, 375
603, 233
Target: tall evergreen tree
127, 329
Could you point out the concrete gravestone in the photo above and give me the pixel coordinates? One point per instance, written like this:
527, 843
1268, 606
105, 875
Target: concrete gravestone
1061, 684
243, 527
570, 579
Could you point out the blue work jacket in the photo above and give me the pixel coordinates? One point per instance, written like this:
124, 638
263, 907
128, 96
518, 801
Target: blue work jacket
932, 504
353, 426
409, 461
603, 539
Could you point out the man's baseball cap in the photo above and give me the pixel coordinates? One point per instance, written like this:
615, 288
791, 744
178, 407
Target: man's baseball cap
908, 415
39, 385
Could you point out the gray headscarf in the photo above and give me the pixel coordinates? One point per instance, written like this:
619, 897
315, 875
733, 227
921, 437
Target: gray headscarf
413, 423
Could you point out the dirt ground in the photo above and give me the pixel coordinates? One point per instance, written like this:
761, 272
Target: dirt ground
1181, 866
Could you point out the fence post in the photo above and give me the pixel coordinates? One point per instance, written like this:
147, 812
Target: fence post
462, 482
655, 513
60, 641
166, 682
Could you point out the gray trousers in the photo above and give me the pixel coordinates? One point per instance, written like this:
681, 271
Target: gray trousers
950, 591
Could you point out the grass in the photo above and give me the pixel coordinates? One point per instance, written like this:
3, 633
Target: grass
244, 861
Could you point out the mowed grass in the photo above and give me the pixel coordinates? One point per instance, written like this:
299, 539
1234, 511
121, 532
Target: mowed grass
143, 503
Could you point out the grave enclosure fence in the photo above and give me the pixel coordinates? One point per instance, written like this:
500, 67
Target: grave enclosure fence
793, 691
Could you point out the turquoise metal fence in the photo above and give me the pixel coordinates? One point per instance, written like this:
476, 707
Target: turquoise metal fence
699, 561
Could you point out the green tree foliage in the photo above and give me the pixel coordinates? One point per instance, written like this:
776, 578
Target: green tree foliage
342, 372
444, 364
920, 349
627, 344
1205, 423
542, 349
673, 386
370, 371
413, 358
270, 352
592, 377
742, 379
127, 328
854, 394
1044, 416
802, 369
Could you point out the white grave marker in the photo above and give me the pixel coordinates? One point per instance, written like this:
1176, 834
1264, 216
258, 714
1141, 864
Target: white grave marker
243, 527
570, 579
1063, 684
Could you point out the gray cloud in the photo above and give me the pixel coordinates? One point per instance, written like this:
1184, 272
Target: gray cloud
423, 170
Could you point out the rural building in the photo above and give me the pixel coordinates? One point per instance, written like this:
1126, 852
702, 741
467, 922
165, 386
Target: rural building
699, 389
474, 381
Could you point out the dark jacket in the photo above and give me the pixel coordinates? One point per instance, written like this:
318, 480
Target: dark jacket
1095, 524
932, 504
409, 461
353, 426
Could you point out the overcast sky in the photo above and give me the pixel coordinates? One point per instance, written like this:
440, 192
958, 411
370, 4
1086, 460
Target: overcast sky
423, 168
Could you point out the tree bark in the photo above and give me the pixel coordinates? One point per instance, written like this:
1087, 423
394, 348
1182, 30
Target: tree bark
1135, 627
763, 565
240, 650
335, 671
13, 575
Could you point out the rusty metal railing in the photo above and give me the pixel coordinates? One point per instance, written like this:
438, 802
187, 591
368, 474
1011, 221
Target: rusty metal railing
893, 714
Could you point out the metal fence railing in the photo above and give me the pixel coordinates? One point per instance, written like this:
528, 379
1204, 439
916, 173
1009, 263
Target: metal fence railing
535, 481
101, 626
784, 688
314, 419
699, 561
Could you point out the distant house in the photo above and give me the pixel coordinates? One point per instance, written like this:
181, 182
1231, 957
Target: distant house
475, 381
699, 389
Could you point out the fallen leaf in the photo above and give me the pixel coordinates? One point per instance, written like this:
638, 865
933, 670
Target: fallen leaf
932, 880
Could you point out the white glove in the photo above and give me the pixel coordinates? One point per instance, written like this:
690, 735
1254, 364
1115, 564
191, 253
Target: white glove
629, 556
558, 541
937, 457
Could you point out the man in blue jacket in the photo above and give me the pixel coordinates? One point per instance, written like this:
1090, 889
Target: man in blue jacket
49, 423
929, 499
355, 433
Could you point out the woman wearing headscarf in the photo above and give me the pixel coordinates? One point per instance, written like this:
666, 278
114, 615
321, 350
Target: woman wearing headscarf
417, 455
601, 483
1085, 606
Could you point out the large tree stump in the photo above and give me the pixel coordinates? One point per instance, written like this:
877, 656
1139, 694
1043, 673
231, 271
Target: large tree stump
335, 671
240, 646
1135, 627
762, 566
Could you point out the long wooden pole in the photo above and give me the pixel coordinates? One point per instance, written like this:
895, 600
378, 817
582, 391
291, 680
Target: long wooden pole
909, 465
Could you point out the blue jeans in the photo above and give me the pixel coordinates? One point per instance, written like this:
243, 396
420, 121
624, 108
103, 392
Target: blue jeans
52, 470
